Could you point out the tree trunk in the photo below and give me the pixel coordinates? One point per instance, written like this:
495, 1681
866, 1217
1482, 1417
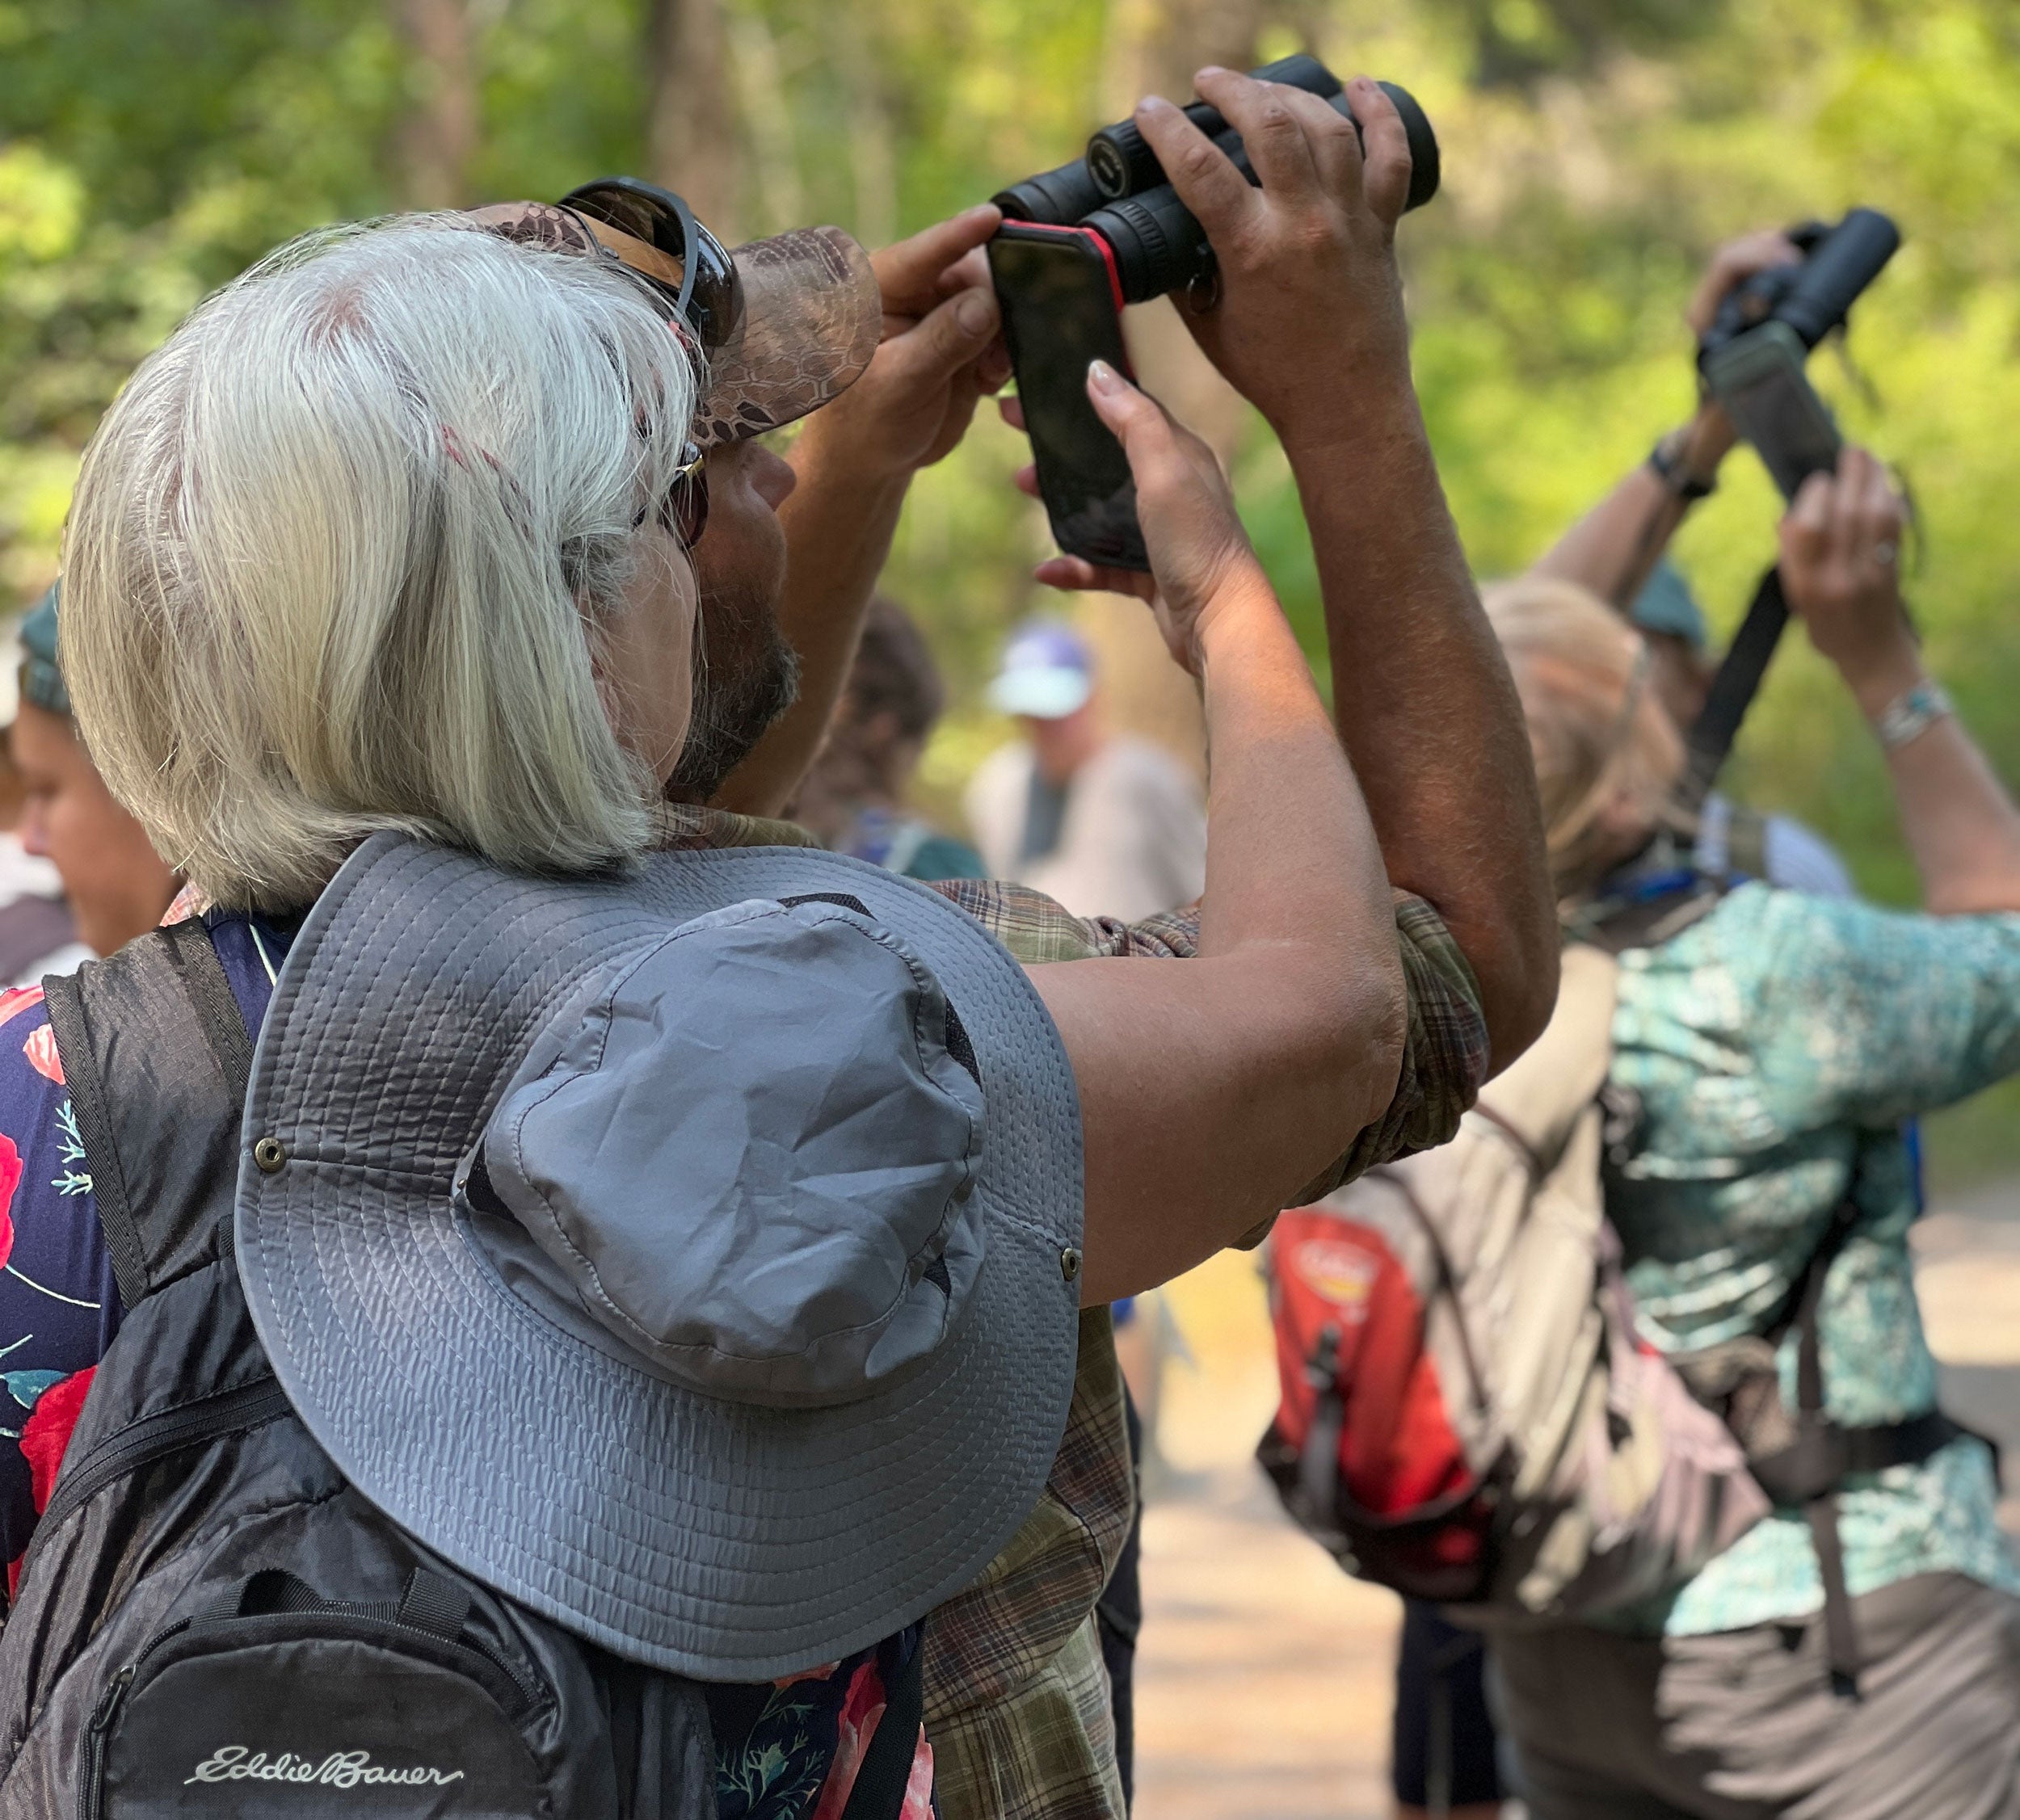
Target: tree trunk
760, 86
873, 153
437, 138
691, 129
1154, 46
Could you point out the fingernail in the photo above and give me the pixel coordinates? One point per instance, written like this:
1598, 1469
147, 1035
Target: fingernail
1209, 69
1152, 104
975, 313
979, 210
1103, 377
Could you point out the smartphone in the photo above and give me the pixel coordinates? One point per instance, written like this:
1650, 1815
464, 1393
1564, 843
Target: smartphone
1061, 308
1758, 377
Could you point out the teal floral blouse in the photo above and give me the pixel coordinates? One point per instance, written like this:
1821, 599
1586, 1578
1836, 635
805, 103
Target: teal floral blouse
1777, 1046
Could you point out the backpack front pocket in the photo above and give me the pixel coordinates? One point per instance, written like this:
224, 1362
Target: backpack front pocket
284, 1706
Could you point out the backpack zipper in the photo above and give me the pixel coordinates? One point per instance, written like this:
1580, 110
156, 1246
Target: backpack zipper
141, 1443
529, 1691
91, 1773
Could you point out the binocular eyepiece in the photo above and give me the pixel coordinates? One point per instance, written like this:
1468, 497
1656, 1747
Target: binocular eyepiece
1119, 189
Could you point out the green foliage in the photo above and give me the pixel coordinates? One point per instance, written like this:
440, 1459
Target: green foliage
1595, 152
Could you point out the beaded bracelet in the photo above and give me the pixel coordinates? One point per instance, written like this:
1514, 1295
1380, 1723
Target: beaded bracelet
1909, 715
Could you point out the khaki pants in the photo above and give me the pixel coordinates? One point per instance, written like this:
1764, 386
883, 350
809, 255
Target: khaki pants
1742, 1724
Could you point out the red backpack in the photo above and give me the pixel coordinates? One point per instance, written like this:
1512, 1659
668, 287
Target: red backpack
1468, 1413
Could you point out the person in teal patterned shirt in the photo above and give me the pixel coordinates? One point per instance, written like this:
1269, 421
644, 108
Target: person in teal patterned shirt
1774, 1046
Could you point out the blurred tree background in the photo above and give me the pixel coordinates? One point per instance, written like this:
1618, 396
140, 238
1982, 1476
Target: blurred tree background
1595, 151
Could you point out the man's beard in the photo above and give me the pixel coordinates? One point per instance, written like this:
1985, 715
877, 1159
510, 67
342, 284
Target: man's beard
745, 676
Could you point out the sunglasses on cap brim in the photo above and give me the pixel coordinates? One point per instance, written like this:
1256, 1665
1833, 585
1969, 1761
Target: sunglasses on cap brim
664, 244
689, 268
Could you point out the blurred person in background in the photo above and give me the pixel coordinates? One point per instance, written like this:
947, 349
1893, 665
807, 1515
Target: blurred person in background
1858, 1656
1618, 550
116, 886
855, 797
1108, 824
1444, 1748
38, 935
1443, 1742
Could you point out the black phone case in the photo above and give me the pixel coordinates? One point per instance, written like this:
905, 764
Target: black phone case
1109, 534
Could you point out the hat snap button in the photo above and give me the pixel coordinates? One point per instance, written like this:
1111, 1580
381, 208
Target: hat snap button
271, 1155
1070, 1263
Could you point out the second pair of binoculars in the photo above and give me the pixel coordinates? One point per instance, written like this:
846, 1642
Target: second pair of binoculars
1118, 189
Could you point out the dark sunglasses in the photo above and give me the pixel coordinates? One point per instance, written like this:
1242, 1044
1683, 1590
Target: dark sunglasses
708, 297
685, 511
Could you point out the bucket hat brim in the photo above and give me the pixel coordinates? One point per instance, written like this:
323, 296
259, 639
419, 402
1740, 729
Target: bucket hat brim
720, 1540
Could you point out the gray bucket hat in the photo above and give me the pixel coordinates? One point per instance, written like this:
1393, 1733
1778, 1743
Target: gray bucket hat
690, 1255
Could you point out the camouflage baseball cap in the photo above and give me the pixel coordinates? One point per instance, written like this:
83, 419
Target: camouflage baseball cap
809, 320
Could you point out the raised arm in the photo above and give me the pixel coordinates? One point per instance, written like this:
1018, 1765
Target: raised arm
1840, 549
1212, 1091
853, 464
1614, 547
1310, 327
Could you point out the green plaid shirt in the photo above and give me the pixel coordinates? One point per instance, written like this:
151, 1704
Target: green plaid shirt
1017, 1699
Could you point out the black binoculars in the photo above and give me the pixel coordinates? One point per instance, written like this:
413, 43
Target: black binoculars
1118, 189
1814, 297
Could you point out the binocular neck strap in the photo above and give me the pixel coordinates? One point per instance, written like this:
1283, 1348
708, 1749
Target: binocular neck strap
1732, 691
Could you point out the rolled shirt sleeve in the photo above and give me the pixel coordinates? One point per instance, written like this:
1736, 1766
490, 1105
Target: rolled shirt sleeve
1446, 1048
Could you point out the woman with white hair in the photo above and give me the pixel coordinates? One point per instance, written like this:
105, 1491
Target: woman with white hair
1858, 1655
382, 562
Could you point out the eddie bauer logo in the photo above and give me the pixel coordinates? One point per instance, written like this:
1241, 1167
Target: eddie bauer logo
341, 1769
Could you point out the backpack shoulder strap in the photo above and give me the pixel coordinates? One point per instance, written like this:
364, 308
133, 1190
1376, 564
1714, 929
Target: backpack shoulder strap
884, 1777
156, 1057
1538, 1100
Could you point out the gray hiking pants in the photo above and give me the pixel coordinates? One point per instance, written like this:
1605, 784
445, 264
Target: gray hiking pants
1742, 1724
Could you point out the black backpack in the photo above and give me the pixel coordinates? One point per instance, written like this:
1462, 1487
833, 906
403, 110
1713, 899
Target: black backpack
209, 1620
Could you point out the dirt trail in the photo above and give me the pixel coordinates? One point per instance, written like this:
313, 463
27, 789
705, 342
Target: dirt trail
1263, 1684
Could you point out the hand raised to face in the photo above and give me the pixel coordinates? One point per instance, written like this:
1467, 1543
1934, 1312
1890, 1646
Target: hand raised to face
1200, 557
1841, 565
942, 351
1732, 265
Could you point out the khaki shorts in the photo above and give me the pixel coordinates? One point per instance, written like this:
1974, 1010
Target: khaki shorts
1742, 1724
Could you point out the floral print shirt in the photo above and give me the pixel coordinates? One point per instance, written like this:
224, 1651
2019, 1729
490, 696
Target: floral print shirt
58, 1307
786, 1750
1776, 1046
